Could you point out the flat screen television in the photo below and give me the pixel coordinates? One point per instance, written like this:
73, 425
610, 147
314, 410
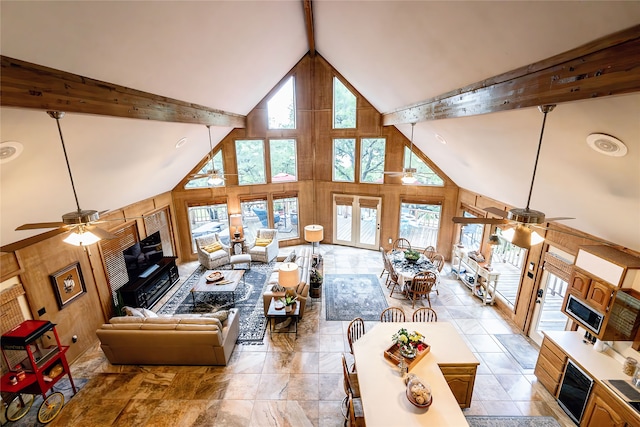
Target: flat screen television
141, 258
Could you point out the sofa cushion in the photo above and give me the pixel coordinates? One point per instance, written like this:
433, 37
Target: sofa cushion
212, 247
130, 311
196, 327
158, 326
148, 313
262, 242
125, 319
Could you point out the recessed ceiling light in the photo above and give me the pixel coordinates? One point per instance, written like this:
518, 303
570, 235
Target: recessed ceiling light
10, 150
440, 139
606, 144
181, 142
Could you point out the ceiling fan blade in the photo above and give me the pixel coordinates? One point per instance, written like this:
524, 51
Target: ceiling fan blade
463, 220
37, 225
558, 218
103, 234
12, 247
496, 211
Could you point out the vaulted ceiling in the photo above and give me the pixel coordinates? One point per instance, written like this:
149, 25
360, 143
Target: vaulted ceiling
226, 55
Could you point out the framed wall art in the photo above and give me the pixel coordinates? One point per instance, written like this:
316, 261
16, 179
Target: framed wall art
68, 284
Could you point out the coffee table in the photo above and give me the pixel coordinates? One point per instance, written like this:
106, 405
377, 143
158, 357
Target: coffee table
273, 315
233, 277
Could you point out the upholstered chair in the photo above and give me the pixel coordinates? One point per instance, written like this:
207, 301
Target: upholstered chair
212, 258
265, 247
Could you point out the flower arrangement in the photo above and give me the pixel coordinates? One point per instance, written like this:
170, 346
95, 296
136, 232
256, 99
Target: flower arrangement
409, 342
411, 255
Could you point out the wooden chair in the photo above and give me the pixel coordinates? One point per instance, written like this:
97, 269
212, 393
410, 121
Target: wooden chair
393, 314
384, 268
401, 244
421, 287
438, 262
355, 331
351, 390
392, 279
425, 314
356, 413
429, 252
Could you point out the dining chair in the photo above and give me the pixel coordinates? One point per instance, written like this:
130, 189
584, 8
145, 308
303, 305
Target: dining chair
351, 388
384, 268
392, 314
401, 244
421, 287
429, 252
392, 280
438, 262
425, 314
356, 413
355, 331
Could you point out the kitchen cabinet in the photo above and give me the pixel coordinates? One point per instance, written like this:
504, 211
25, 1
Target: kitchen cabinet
460, 379
550, 366
603, 410
579, 283
599, 295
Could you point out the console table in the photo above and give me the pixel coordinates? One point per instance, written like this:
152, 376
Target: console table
482, 281
145, 291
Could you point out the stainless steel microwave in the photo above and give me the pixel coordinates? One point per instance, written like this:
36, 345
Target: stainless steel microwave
588, 317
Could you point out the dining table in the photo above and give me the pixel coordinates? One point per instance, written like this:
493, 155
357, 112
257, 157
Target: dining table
381, 384
406, 269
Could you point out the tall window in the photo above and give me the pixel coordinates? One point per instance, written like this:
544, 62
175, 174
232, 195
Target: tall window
344, 106
208, 219
250, 159
287, 210
420, 223
283, 160
281, 108
425, 175
255, 215
344, 153
214, 164
372, 151
471, 234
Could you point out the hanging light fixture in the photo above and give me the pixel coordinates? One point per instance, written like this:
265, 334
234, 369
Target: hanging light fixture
81, 237
216, 178
408, 175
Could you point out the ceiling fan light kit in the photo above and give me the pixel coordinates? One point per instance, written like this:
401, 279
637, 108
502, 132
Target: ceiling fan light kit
81, 237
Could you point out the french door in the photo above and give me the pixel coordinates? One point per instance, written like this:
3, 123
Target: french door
356, 221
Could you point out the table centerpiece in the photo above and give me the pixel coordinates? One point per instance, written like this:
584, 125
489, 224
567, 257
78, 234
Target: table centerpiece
408, 347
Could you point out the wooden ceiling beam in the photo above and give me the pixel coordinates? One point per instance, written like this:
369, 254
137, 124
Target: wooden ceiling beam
607, 66
27, 85
308, 21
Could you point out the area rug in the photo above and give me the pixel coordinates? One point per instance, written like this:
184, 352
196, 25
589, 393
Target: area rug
501, 421
524, 353
348, 296
248, 301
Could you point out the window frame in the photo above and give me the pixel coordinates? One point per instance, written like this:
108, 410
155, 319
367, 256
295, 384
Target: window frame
264, 162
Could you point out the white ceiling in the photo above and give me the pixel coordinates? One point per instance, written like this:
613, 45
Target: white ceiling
228, 54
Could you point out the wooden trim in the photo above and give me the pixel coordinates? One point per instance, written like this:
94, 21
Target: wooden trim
285, 195
308, 21
29, 85
253, 198
433, 200
473, 210
604, 67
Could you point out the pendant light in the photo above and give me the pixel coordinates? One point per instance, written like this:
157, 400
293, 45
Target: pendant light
408, 177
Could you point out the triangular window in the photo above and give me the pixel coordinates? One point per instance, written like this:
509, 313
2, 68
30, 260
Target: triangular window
281, 108
344, 106
425, 175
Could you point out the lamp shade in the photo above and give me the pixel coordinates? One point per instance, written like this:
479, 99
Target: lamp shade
235, 220
523, 237
288, 276
81, 238
313, 233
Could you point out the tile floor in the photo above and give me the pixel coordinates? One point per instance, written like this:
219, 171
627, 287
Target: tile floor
295, 382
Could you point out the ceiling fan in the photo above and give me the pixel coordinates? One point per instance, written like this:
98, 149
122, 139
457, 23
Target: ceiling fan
524, 220
215, 178
80, 224
409, 175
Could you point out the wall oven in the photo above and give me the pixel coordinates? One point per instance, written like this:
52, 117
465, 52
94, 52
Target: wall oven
574, 391
588, 317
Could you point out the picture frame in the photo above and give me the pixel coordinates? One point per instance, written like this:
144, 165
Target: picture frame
68, 284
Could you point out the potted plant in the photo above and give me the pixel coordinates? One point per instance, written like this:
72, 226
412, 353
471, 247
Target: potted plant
409, 343
289, 302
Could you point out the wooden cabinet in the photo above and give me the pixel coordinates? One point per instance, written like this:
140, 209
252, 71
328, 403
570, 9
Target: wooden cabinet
460, 379
599, 295
604, 410
146, 291
550, 366
579, 283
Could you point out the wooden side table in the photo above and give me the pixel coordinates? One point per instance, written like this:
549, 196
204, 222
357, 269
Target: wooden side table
273, 315
237, 246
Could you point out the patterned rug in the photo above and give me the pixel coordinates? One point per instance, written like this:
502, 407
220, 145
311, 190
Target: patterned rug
348, 296
524, 353
496, 421
248, 301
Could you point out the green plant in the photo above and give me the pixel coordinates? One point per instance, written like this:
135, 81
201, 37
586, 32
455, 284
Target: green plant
411, 255
289, 300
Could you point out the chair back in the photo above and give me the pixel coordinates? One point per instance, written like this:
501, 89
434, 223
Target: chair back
345, 376
393, 314
393, 275
424, 281
429, 252
267, 233
401, 244
425, 314
355, 331
438, 261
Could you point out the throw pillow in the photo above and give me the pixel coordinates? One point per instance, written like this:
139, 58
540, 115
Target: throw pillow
212, 247
277, 288
147, 313
220, 315
262, 242
291, 257
130, 311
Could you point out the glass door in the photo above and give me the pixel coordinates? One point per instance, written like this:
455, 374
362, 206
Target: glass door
356, 221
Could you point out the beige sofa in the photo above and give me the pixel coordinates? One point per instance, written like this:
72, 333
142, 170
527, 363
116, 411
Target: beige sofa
303, 259
172, 340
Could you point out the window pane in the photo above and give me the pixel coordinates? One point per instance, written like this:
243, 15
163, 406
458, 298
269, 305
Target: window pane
419, 223
207, 168
287, 209
344, 106
283, 160
281, 108
208, 219
344, 153
250, 159
372, 152
471, 234
425, 175
254, 217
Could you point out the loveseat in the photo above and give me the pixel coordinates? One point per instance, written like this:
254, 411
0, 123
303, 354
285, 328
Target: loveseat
265, 247
209, 254
303, 259
170, 340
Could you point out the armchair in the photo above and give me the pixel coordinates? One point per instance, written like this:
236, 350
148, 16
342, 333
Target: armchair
264, 253
213, 259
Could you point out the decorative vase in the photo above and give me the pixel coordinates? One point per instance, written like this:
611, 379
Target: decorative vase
408, 351
288, 308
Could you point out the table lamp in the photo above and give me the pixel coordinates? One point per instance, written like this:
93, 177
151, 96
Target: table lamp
492, 242
314, 234
235, 220
289, 277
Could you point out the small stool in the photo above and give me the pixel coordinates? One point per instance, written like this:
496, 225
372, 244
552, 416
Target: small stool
240, 259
